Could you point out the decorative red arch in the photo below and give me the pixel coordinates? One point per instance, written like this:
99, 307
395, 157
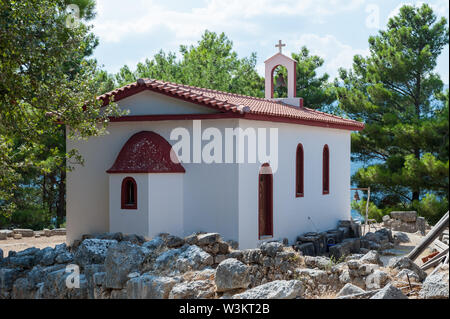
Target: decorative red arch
146, 152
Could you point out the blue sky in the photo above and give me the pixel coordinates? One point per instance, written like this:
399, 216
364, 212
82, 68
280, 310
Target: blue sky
133, 30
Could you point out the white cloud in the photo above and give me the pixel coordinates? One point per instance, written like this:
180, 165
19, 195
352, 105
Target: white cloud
335, 53
117, 19
440, 8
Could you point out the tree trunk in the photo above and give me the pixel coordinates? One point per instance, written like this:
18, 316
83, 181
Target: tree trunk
61, 202
61, 208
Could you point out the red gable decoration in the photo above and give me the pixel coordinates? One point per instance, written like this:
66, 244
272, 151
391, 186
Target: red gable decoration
232, 105
146, 152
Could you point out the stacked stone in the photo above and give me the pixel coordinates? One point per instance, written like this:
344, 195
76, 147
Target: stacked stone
268, 262
405, 221
338, 242
380, 240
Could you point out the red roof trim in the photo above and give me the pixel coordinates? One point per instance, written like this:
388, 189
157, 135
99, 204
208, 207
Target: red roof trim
146, 152
279, 119
251, 107
171, 117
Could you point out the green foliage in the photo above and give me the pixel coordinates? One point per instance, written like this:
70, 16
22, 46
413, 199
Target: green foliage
212, 63
43, 70
44, 75
397, 94
373, 213
431, 207
32, 218
316, 91
8, 176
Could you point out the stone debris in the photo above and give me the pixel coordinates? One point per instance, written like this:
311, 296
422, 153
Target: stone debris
24, 232
405, 221
350, 289
401, 237
278, 289
376, 280
400, 263
372, 257
150, 287
389, 292
93, 251
436, 286
203, 265
232, 274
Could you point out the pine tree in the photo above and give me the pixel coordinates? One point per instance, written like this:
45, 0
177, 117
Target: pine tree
396, 92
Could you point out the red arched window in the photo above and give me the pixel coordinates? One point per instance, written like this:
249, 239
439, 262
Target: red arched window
326, 170
299, 171
129, 193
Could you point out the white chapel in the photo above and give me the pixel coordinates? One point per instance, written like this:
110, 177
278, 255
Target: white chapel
187, 159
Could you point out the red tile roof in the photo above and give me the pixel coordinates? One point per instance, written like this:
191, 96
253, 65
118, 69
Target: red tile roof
249, 107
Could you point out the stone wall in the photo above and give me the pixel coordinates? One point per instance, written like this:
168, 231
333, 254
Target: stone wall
405, 221
202, 265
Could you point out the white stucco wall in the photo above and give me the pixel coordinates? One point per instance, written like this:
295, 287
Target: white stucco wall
129, 221
148, 102
165, 204
215, 197
209, 194
290, 214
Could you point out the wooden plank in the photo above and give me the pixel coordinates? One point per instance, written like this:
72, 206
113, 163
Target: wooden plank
430, 237
440, 246
439, 266
432, 263
438, 256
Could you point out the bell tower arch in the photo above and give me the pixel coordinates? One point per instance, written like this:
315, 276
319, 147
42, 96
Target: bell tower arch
291, 66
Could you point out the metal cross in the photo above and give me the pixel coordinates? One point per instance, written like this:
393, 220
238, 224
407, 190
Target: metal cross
280, 45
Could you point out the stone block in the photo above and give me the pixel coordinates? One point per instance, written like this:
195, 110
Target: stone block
421, 225
355, 230
48, 232
345, 232
317, 239
24, 232
341, 249
339, 234
9, 233
307, 249
355, 244
405, 216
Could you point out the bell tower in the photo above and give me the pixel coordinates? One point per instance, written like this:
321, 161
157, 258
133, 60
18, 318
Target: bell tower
291, 66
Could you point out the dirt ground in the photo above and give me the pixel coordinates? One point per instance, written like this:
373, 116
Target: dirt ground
403, 248
27, 242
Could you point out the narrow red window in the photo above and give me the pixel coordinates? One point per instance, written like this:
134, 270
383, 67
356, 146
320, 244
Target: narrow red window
265, 202
129, 193
299, 172
326, 170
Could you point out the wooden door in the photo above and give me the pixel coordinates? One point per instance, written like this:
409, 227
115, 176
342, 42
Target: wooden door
265, 209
